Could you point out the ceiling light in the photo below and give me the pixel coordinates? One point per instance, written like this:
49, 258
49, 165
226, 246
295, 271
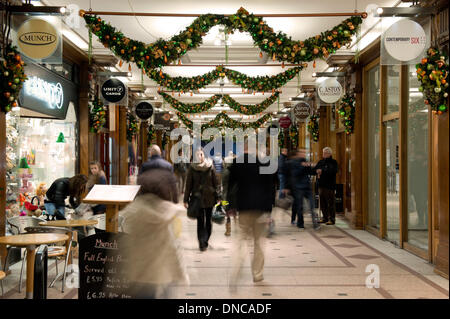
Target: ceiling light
379, 10
63, 10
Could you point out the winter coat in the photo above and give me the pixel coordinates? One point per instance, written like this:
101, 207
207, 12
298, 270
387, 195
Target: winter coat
153, 249
297, 175
156, 161
282, 161
58, 192
218, 164
329, 168
255, 191
210, 190
159, 181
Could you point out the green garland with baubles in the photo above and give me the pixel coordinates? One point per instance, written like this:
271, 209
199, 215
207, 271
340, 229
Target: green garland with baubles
278, 45
132, 126
97, 116
281, 137
151, 134
293, 133
432, 73
223, 120
12, 76
248, 109
258, 83
313, 127
346, 110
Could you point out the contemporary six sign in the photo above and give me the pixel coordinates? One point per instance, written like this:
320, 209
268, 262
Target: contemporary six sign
144, 110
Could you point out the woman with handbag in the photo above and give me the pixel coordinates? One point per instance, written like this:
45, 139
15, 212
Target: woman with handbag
201, 194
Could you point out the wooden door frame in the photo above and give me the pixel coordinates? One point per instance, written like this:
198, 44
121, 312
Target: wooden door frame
365, 203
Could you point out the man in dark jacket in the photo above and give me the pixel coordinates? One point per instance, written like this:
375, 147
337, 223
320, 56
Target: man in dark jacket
255, 199
326, 170
298, 182
155, 160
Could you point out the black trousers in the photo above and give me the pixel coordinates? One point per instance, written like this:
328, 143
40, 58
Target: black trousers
327, 204
204, 226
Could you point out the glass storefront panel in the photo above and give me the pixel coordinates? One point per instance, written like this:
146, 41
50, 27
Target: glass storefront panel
392, 182
373, 145
393, 88
417, 165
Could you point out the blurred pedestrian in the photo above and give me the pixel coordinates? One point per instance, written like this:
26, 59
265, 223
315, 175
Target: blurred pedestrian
229, 193
255, 199
299, 184
157, 263
96, 176
155, 160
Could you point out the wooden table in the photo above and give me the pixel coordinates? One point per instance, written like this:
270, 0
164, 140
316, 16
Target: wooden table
69, 223
30, 242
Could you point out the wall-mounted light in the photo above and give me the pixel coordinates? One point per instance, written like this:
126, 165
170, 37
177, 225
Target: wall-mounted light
403, 11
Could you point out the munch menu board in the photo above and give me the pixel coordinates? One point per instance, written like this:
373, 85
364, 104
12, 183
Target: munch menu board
102, 262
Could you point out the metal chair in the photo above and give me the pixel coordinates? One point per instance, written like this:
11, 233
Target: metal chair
53, 251
17, 225
2, 276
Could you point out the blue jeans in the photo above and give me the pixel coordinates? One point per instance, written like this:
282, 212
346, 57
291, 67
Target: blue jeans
57, 211
297, 206
282, 180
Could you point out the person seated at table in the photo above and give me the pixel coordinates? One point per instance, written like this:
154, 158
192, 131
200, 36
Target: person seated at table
73, 187
150, 223
96, 176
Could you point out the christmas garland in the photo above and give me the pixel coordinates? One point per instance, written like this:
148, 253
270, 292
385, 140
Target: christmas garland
313, 127
281, 137
151, 134
347, 112
259, 83
293, 133
247, 109
278, 45
12, 77
97, 116
132, 126
432, 73
223, 120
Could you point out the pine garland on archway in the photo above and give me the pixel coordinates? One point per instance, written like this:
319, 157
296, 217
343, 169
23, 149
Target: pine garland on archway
293, 133
258, 83
278, 45
151, 134
247, 109
223, 120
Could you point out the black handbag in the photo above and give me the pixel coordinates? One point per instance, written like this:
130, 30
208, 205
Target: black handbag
195, 201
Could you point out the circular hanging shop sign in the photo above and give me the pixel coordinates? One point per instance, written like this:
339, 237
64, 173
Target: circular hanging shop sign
144, 110
113, 90
330, 90
37, 39
405, 40
285, 122
302, 110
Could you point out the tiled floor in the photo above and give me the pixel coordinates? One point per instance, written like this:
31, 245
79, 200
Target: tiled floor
329, 263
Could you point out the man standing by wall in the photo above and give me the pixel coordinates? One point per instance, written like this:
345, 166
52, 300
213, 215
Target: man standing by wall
326, 170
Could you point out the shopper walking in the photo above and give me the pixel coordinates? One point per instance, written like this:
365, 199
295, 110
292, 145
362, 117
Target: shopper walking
201, 182
157, 263
281, 171
326, 170
218, 166
64, 187
229, 193
255, 199
180, 170
155, 160
299, 184
96, 176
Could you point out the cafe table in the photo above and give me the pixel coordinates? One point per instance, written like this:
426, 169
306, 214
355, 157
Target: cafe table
30, 242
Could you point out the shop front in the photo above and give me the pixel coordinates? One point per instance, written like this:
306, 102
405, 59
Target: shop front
42, 138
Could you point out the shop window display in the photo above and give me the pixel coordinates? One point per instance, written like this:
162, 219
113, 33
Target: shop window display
39, 151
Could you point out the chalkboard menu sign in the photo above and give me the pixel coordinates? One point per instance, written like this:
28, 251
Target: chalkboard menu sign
102, 263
